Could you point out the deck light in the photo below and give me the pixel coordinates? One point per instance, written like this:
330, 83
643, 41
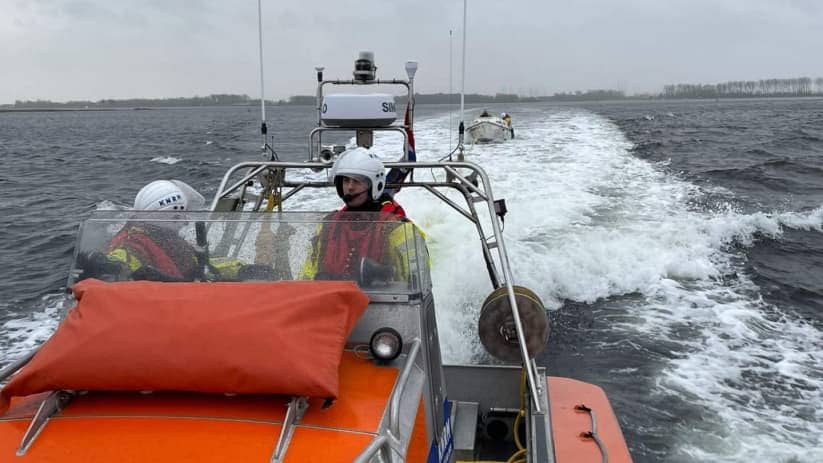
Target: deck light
385, 344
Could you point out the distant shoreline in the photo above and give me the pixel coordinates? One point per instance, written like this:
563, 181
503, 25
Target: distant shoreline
798, 87
46, 110
124, 108
12, 109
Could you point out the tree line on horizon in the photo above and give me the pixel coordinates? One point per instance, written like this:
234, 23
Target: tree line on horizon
210, 100
795, 87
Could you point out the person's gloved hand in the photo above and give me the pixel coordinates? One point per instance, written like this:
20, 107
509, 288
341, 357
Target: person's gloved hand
95, 264
324, 276
256, 272
371, 271
149, 273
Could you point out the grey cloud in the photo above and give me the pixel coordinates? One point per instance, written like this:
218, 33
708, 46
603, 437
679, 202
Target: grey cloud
96, 49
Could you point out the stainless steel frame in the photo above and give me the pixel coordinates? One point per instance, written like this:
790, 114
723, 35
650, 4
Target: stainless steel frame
499, 269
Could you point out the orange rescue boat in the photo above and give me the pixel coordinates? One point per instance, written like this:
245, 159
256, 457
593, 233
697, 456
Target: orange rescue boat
255, 366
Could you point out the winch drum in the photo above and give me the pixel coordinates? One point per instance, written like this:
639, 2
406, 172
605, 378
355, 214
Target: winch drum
497, 329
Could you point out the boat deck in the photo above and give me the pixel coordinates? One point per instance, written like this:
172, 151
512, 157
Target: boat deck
179, 426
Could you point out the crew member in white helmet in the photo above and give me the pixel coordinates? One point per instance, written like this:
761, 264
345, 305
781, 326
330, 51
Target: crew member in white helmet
371, 229
151, 248
168, 195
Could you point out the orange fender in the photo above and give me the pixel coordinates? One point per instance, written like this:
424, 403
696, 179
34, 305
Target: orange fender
570, 425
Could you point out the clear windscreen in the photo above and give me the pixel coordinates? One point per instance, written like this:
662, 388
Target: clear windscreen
378, 251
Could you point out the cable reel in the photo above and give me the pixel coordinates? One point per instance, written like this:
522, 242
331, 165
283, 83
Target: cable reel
497, 330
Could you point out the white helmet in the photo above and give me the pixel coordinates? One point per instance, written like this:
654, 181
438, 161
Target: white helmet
168, 195
360, 163
503, 115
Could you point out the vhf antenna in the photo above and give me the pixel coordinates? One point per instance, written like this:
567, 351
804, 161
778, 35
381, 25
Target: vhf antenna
266, 148
461, 127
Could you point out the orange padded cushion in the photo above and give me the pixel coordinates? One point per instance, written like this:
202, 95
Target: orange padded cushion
255, 338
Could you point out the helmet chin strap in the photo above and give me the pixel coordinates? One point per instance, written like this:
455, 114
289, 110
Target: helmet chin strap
347, 198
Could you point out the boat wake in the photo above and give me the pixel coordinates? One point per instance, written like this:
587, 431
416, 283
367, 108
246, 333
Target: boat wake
590, 223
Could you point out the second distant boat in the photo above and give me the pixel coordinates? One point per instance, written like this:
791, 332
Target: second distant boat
489, 129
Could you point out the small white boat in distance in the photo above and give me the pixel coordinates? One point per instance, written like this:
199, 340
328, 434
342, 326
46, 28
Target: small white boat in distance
489, 129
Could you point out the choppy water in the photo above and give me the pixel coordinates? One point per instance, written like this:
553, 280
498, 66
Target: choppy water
679, 247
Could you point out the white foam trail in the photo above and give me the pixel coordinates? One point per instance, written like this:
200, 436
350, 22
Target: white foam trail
807, 221
107, 205
588, 221
170, 160
21, 333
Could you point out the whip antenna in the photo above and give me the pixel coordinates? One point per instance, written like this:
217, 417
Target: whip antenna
461, 127
451, 89
263, 129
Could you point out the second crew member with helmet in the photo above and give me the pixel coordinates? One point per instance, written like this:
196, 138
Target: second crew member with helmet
360, 180
151, 248
368, 239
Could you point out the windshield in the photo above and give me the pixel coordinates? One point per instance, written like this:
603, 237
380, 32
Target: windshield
379, 251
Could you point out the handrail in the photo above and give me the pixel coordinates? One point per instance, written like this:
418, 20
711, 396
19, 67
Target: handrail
531, 370
593, 433
382, 442
319, 130
379, 443
367, 82
394, 407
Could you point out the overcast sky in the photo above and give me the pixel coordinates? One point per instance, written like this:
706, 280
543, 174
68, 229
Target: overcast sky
94, 49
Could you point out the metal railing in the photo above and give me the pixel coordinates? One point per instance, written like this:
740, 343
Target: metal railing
471, 191
394, 406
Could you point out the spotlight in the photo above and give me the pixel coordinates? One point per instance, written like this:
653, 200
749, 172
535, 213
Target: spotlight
385, 344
